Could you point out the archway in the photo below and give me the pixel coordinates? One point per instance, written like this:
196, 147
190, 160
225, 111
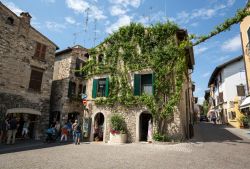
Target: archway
98, 127
145, 117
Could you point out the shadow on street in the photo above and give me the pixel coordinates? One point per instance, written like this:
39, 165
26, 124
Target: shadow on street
22, 145
208, 132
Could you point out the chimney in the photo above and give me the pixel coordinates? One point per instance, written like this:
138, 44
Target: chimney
25, 17
24, 26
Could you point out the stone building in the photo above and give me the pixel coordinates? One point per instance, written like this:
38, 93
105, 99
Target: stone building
26, 71
68, 84
137, 118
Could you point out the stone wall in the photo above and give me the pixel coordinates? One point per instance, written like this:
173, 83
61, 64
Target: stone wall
17, 48
65, 66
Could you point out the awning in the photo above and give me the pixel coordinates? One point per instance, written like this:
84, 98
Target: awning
245, 103
23, 110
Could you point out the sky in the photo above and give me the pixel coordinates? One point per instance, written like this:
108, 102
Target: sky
89, 22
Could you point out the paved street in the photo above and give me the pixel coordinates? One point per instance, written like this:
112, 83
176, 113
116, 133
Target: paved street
213, 147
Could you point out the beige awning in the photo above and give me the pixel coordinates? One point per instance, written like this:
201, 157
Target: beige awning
245, 103
23, 110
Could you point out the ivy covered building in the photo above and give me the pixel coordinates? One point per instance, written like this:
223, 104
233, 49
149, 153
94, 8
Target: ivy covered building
141, 73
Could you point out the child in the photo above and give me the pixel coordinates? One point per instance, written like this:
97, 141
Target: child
64, 132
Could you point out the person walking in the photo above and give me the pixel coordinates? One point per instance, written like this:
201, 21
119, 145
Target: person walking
25, 129
12, 129
58, 129
64, 132
76, 132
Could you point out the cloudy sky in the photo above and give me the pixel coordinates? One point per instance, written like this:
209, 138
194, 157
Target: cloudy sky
88, 22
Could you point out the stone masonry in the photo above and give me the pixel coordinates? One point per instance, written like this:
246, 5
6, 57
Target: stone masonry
18, 43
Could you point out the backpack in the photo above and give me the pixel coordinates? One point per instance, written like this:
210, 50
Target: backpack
78, 128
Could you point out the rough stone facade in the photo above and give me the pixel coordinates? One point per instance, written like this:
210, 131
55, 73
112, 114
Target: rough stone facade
18, 43
65, 72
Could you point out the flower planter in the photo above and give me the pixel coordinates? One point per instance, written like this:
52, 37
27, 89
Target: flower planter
118, 138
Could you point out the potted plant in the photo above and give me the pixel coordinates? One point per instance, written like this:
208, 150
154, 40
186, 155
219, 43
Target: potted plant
117, 129
245, 120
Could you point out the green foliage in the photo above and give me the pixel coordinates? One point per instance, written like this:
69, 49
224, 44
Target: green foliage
205, 107
160, 137
136, 48
239, 16
117, 123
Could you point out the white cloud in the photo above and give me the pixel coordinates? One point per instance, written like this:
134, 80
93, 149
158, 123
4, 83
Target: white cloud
233, 44
199, 50
54, 26
206, 74
125, 3
70, 20
97, 13
80, 6
14, 8
122, 21
185, 17
117, 10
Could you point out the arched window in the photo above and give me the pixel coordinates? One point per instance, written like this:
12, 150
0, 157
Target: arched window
10, 21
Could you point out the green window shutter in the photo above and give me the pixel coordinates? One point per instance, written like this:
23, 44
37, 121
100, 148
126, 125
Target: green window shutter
70, 89
107, 87
248, 33
137, 84
153, 83
94, 90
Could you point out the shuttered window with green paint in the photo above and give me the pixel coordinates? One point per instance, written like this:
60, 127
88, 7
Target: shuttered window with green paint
94, 89
137, 84
107, 87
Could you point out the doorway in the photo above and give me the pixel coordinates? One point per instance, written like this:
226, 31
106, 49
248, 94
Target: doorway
98, 127
144, 123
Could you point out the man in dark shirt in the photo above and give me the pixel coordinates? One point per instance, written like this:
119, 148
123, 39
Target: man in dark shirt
12, 129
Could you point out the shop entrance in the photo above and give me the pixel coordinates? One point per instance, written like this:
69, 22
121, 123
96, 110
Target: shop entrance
144, 123
73, 116
98, 127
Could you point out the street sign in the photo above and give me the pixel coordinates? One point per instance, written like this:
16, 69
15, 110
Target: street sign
84, 96
84, 102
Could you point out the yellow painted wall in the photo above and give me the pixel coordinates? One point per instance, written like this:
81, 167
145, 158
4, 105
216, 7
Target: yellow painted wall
235, 123
244, 26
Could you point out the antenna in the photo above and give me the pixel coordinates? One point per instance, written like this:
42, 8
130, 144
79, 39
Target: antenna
149, 17
95, 22
87, 19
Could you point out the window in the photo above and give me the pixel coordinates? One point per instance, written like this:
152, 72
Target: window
240, 90
10, 21
221, 100
248, 33
232, 115
40, 51
100, 87
71, 89
79, 65
36, 79
100, 58
143, 83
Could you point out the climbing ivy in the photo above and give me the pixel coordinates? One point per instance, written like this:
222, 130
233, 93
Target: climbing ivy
226, 25
135, 48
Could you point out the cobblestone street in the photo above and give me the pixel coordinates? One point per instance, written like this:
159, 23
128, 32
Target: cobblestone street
213, 147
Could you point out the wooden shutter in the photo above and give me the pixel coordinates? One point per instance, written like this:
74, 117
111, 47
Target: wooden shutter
77, 67
240, 90
107, 87
137, 84
35, 80
221, 100
38, 50
70, 89
94, 89
43, 52
153, 83
248, 33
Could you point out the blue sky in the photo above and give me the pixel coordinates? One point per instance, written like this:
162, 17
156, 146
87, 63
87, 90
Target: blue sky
65, 23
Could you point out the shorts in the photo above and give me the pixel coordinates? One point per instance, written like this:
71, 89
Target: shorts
77, 135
